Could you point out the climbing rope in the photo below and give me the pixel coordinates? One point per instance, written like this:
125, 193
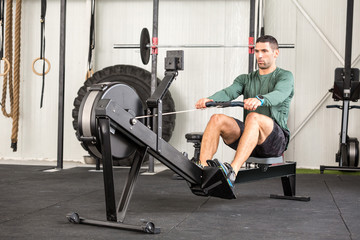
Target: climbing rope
7, 82
15, 111
2, 20
12, 79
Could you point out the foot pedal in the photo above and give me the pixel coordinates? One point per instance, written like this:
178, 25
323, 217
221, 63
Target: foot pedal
215, 184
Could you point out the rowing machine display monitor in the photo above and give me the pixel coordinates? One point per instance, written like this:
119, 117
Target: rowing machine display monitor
339, 92
174, 60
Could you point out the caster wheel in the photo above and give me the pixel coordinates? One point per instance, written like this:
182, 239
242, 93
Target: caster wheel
73, 218
149, 227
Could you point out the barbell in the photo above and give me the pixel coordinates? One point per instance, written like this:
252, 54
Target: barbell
145, 46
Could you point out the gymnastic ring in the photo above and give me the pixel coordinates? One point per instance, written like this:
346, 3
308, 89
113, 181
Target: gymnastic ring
47, 70
89, 74
8, 67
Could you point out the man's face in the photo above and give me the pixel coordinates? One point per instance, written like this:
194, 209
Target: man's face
265, 55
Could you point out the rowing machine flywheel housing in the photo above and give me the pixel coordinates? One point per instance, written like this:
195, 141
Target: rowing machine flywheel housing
348, 153
123, 95
127, 85
352, 152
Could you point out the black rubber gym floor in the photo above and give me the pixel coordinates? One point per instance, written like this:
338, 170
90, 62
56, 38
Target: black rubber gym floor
34, 203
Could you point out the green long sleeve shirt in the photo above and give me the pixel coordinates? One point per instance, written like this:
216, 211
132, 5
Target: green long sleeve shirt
277, 88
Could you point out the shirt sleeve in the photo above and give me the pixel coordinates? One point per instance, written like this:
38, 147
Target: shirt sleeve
231, 92
283, 89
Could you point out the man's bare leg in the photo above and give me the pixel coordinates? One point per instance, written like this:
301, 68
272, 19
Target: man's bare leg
257, 128
219, 125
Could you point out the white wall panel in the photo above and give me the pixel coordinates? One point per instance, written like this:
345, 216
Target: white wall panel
314, 66
206, 70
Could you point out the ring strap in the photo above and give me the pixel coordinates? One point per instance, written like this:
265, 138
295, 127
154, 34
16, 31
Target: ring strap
91, 40
2, 5
42, 47
42, 29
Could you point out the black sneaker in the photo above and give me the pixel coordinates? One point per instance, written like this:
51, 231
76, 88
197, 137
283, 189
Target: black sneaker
226, 168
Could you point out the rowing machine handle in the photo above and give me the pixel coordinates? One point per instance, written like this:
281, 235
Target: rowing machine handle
225, 104
334, 106
340, 107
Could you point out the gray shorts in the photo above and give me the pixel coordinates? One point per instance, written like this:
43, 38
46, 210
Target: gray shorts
273, 146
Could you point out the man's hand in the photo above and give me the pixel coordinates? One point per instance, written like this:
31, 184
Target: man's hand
251, 104
201, 103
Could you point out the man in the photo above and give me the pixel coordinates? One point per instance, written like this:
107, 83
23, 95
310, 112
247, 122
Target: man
267, 96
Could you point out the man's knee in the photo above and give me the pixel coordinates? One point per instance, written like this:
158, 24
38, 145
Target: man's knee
223, 123
218, 119
226, 126
264, 123
253, 117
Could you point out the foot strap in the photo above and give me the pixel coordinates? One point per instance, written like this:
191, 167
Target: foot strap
214, 183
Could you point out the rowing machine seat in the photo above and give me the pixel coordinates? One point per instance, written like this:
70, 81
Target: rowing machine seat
196, 137
269, 161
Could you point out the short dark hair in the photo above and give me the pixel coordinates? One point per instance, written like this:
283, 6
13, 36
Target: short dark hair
270, 39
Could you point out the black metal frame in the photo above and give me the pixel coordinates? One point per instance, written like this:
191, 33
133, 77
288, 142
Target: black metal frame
154, 55
251, 36
286, 171
60, 145
115, 215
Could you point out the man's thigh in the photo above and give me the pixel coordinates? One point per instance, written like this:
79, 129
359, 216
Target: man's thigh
273, 145
263, 122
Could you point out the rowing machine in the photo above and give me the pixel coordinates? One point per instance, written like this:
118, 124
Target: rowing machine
109, 120
346, 88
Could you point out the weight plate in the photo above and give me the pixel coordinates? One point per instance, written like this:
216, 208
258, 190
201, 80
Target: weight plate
144, 46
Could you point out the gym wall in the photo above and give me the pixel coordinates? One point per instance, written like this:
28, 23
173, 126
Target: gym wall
206, 70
